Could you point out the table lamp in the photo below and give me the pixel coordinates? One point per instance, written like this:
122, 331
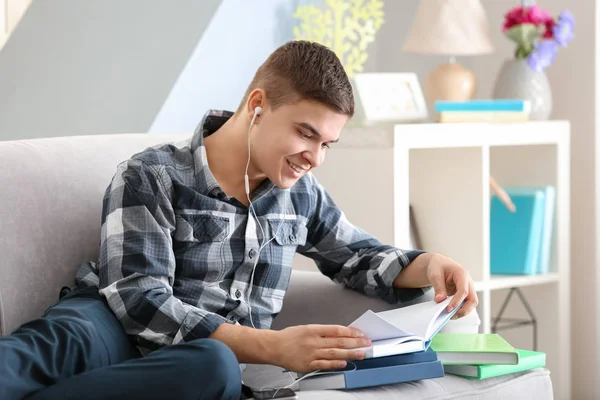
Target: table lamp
450, 28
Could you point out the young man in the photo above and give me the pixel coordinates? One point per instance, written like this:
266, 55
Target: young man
197, 243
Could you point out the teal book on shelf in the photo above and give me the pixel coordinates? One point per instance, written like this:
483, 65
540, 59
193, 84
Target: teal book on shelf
547, 230
483, 105
519, 241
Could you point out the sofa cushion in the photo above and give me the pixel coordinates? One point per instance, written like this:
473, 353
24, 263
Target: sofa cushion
50, 210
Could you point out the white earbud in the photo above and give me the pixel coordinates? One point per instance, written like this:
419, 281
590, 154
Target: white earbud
257, 110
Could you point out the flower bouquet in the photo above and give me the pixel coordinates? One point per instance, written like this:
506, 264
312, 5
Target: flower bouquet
537, 35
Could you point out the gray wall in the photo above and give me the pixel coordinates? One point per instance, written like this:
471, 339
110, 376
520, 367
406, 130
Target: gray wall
77, 67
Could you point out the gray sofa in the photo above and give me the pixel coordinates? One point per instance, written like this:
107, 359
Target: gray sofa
49, 217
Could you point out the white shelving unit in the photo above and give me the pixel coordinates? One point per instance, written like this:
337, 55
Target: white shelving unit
442, 171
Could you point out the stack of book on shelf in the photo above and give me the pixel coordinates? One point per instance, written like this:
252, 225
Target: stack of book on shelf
482, 356
399, 351
521, 239
486, 110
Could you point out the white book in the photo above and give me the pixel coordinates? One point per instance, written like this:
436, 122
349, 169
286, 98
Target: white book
403, 330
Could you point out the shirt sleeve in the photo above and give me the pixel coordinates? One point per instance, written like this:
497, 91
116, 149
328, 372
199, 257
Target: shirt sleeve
137, 263
349, 255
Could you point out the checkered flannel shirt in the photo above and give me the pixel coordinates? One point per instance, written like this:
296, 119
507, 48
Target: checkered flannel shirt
177, 253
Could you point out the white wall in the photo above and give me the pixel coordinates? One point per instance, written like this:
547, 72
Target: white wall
574, 78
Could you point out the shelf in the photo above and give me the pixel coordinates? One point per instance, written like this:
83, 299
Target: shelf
497, 282
428, 136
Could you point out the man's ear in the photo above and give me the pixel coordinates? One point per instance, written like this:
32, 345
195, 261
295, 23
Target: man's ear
255, 99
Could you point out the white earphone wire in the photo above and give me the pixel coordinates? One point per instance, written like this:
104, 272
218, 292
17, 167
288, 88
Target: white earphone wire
257, 112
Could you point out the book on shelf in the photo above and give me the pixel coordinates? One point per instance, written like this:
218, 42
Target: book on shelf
528, 360
510, 105
473, 348
482, 116
486, 110
521, 241
376, 371
403, 330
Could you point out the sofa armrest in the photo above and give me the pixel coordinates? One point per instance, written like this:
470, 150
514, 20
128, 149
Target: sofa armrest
313, 298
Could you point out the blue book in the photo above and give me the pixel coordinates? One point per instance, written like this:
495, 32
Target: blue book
483, 105
547, 228
399, 359
516, 237
374, 376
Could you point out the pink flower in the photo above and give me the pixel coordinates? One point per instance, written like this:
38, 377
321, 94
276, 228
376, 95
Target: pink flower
514, 17
528, 15
537, 16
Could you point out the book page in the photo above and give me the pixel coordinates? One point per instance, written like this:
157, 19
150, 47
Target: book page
375, 327
417, 318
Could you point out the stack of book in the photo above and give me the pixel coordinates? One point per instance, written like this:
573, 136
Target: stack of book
399, 351
521, 239
487, 110
482, 356
378, 371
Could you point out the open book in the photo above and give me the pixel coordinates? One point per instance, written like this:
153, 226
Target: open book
403, 330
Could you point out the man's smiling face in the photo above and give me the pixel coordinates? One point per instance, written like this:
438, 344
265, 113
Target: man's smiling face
293, 139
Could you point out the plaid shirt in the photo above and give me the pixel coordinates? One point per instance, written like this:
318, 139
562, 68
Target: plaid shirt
177, 253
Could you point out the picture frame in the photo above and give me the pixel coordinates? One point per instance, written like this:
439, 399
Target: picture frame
389, 97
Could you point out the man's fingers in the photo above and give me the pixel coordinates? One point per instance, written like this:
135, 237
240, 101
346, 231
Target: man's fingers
335, 358
470, 303
439, 285
345, 342
326, 364
339, 354
462, 290
336, 331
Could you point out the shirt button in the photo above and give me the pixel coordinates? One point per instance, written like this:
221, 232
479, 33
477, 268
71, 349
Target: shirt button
238, 294
252, 253
292, 237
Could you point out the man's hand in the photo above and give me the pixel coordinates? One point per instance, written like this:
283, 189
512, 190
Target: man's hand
450, 278
308, 348
447, 277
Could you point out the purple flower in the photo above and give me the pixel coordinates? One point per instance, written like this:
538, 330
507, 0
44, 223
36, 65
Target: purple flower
564, 29
543, 55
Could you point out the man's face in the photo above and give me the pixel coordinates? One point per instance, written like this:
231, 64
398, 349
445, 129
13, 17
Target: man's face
293, 139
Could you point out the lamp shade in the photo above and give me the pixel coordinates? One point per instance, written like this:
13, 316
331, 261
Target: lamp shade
449, 27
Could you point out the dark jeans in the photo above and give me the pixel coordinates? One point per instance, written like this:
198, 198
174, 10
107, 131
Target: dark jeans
78, 350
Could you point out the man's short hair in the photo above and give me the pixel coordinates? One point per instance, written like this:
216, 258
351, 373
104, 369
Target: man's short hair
304, 70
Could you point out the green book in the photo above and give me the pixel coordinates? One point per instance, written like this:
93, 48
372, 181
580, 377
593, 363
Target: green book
473, 348
527, 360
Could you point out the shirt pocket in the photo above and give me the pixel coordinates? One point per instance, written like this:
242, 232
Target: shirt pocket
201, 228
200, 246
287, 236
